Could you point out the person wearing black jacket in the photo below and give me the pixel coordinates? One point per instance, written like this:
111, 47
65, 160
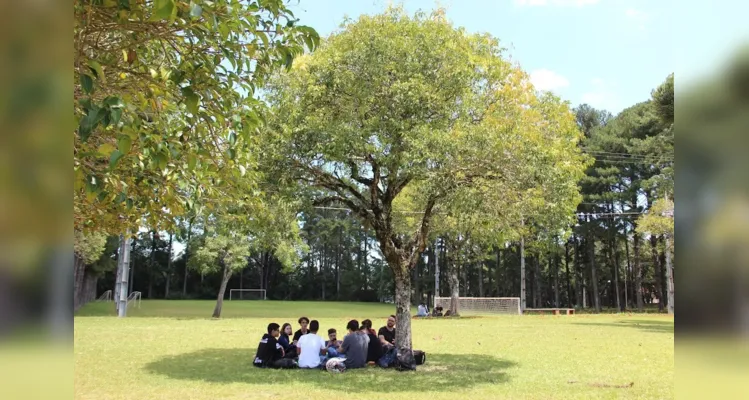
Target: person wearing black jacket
269, 352
374, 349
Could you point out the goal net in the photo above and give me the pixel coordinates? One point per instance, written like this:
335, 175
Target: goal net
247, 294
482, 305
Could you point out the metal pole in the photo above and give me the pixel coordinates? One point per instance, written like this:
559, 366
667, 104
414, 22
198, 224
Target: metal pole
124, 274
436, 271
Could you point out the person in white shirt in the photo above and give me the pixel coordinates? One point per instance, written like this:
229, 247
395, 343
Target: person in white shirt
310, 347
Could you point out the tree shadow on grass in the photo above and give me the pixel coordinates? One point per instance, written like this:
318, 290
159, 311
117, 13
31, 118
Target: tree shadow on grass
441, 372
645, 325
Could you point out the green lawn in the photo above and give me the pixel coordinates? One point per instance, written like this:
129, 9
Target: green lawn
169, 350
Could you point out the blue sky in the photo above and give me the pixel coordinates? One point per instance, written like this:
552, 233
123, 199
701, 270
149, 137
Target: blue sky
608, 53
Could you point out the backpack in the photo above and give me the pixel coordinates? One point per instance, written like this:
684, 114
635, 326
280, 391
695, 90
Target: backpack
420, 357
388, 359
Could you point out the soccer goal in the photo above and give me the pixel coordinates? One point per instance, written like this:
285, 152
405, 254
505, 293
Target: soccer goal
482, 305
246, 294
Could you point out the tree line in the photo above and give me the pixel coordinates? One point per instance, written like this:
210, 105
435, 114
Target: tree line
608, 261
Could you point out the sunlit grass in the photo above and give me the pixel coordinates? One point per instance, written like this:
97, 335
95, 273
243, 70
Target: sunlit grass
185, 355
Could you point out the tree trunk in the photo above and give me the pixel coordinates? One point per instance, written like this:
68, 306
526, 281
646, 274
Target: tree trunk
169, 267
616, 274
556, 280
481, 279
579, 283
537, 282
221, 291
436, 268
366, 259
338, 265
669, 275
523, 295
152, 266
452, 274
187, 259
498, 272
464, 275
664, 279
79, 271
490, 284
656, 271
638, 270
593, 277
323, 265
628, 273
567, 272
403, 313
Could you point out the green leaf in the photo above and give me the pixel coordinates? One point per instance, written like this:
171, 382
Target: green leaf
97, 70
90, 121
191, 161
192, 100
196, 10
162, 9
87, 82
113, 102
116, 155
160, 160
124, 143
106, 149
114, 115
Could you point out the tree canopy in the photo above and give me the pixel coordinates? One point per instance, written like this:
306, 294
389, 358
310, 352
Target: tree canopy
165, 104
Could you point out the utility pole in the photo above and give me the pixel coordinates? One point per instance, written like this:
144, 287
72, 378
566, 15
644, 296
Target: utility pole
123, 272
436, 272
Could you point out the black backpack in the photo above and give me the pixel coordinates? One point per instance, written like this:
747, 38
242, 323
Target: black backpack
420, 357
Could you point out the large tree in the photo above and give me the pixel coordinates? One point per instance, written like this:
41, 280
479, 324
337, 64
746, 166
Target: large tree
396, 102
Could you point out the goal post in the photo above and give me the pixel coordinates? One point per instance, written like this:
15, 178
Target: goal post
482, 305
247, 294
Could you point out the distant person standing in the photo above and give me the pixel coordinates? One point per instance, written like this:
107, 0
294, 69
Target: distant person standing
355, 346
310, 347
387, 332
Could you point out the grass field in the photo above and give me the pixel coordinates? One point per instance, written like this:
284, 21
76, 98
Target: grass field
170, 350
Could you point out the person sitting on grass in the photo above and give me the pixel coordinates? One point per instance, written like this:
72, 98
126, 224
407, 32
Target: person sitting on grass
437, 312
310, 347
387, 333
354, 346
285, 341
333, 344
422, 310
374, 349
303, 322
269, 351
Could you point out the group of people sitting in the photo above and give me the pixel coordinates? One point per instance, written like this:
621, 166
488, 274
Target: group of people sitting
306, 349
423, 311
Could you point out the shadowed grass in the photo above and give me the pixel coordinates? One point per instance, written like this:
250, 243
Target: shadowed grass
645, 325
235, 365
504, 357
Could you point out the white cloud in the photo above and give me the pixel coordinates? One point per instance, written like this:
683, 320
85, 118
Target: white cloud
562, 3
639, 17
602, 96
544, 79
